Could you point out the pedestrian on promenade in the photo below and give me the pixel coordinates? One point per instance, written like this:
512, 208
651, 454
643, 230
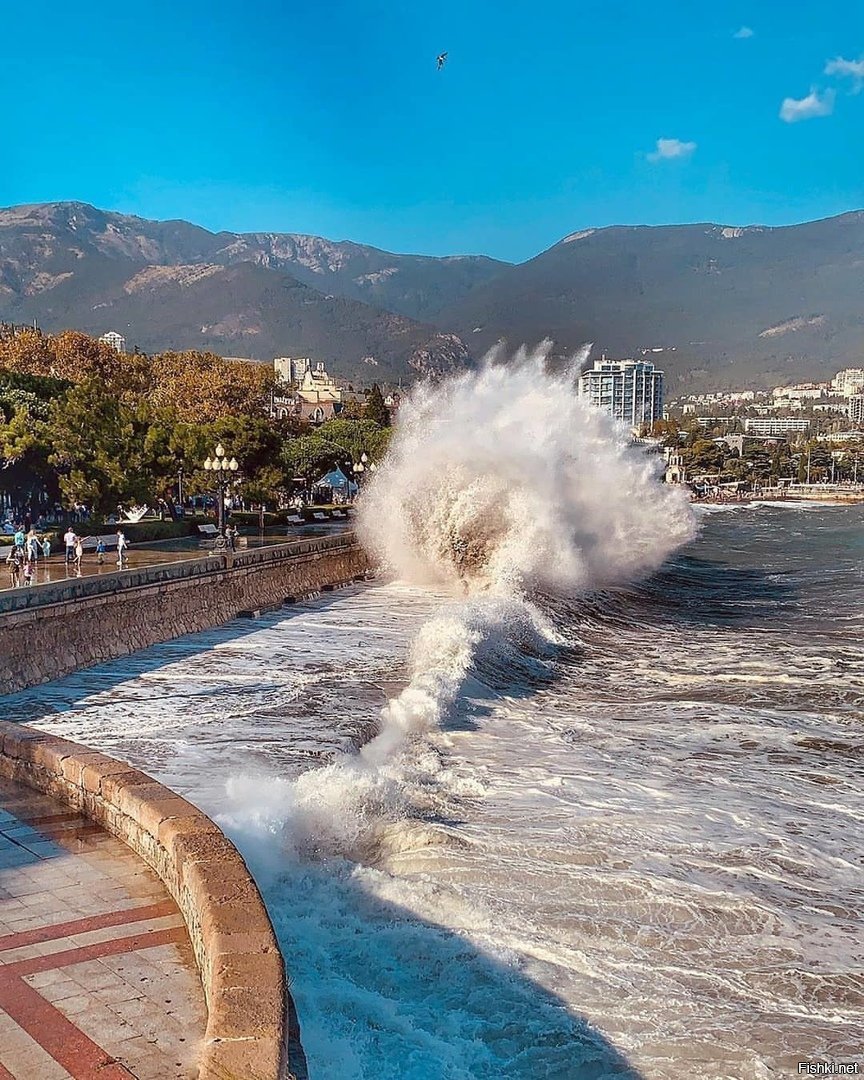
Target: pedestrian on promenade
79, 553
46, 548
13, 561
69, 539
122, 544
18, 539
32, 546
231, 537
100, 551
27, 571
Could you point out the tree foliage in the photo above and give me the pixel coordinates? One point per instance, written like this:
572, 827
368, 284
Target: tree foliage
92, 426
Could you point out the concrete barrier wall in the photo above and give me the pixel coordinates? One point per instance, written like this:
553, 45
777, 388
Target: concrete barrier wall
251, 1026
51, 630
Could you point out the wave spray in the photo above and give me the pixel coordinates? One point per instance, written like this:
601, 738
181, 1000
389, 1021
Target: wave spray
500, 486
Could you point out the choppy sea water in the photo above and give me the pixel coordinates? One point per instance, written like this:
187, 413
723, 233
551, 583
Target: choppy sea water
638, 856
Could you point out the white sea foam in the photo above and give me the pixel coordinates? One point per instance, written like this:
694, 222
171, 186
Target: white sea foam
499, 483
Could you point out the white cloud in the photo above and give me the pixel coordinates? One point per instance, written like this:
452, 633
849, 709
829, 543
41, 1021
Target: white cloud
853, 69
742, 34
815, 104
669, 149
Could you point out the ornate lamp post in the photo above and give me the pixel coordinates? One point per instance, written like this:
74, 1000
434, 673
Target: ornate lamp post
362, 466
223, 471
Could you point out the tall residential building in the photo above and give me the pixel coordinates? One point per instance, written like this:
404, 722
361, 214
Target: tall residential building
115, 340
629, 390
849, 381
291, 369
856, 409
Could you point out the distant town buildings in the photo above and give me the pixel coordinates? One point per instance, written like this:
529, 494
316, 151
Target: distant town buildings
775, 425
629, 390
856, 408
115, 340
849, 382
307, 391
675, 473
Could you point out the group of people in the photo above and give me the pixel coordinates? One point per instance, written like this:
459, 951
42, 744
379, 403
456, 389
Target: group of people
74, 546
27, 549
25, 552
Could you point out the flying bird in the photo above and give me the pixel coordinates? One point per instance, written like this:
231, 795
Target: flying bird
442, 60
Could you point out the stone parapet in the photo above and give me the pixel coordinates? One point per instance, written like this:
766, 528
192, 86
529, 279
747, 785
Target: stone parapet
251, 1028
54, 629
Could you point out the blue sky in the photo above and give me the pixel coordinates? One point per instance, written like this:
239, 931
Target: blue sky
330, 118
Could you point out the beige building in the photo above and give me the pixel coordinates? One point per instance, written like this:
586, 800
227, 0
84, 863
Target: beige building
848, 382
309, 393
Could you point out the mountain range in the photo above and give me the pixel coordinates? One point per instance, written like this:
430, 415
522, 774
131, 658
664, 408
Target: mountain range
714, 306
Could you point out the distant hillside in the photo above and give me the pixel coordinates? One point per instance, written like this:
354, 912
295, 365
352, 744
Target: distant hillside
174, 285
737, 305
721, 306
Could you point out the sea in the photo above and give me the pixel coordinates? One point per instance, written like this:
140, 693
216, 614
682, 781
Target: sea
570, 791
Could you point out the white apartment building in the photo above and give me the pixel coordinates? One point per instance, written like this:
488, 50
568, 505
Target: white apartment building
856, 408
848, 382
115, 340
775, 425
629, 390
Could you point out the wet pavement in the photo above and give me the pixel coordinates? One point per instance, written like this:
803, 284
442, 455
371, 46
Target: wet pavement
55, 568
97, 975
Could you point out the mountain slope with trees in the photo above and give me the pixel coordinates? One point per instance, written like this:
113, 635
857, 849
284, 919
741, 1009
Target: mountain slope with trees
714, 306
722, 306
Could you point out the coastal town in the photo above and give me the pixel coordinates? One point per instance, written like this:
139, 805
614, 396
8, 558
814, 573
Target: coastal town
302, 437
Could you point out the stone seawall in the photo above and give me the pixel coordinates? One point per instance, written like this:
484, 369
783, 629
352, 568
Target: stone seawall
54, 629
251, 1031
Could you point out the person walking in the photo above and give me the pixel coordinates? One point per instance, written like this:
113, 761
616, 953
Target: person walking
46, 548
100, 551
79, 554
13, 561
122, 545
69, 539
32, 546
27, 571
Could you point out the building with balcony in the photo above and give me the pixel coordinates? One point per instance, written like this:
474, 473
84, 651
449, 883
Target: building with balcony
629, 390
115, 340
775, 425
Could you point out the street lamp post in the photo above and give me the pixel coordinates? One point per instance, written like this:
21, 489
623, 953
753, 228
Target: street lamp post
364, 465
223, 471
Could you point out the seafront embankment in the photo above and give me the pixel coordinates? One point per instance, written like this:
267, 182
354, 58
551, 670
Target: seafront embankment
251, 1029
48, 631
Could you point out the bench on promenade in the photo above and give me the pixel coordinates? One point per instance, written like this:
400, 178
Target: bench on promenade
319, 516
209, 532
295, 519
339, 514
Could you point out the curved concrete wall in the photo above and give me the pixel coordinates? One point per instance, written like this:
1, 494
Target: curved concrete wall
251, 1028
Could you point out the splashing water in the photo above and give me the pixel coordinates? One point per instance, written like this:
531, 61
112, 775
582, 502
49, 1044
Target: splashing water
503, 480
499, 484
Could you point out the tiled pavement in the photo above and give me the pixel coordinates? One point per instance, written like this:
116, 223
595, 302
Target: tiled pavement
97, 977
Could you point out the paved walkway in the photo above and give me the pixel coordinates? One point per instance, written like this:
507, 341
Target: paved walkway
97, 978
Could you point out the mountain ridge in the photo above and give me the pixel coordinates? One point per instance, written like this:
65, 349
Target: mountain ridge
714, 305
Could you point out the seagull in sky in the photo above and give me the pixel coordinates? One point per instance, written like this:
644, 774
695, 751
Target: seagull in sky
442, 60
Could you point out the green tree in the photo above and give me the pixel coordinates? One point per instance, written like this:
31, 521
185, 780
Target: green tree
376, 410
97, 448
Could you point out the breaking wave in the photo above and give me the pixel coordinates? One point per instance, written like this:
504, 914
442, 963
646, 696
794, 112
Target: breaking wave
501, 487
